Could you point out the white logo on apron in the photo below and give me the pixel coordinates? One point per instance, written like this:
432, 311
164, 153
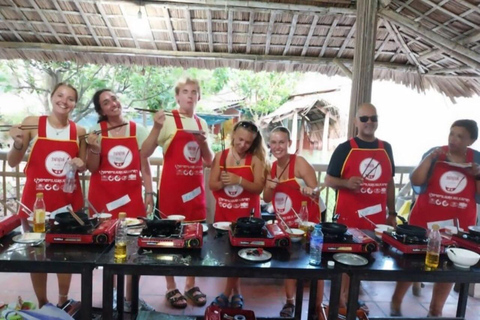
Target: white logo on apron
283, 203
120, 157
453, 182
191, 152
371, 169
55, 163
233, 190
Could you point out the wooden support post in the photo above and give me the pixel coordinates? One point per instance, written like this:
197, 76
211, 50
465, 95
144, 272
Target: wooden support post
363, 59
326, 130
293, 147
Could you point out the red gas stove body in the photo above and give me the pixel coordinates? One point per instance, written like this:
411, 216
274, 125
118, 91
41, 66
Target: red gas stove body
8, 223
354, 240
416, 247
104, 233
186, 236
467, 241
271, 236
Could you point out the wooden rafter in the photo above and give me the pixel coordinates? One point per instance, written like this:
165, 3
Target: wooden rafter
87, 22
209, 30
310, 33
131, 27
15, 33
384, 42
270, 31
447, 12
329, 35
47, 23
166, 14
293, 27
107, 23
190, 29
251, 21
230, 32
347, 40
25, 20
70, 29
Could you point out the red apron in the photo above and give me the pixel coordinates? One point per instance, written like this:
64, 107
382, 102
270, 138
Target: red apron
233, 201
287, 195
182, 189
117, 186
45, 170
371, 199
450, 195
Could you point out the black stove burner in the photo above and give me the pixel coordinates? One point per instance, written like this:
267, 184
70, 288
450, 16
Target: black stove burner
471, 237
163, 231
338, 238
248, 233
72, 229
408, 239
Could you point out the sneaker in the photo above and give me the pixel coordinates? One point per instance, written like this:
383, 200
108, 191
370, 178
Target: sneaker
142, 306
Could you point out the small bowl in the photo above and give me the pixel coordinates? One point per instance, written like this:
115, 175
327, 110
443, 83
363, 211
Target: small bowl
177, 217
380, 228
295, 234
103, 216
463, 258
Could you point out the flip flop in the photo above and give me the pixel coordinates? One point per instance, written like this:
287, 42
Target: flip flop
179, 302
237, 301
220, 301
287, 310
196, 296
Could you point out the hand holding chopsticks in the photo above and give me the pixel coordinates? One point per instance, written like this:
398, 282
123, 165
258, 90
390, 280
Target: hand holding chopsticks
7, 127
108, 129
155, 111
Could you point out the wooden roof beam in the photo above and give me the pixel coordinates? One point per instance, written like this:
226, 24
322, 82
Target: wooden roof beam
379, 51
270, 31
293, 27
66, 23
310, 34
329, 35
46, 22
251, 21
343, 67
190, 29
130, 26
169, 28
230, 32
449, 13
107, 23
87, 22
25, 20
347, 39
209, 30
7, 23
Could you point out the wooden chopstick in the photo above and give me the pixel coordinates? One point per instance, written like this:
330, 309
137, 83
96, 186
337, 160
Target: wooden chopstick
74, 215
167, 113
105, 130
7, 127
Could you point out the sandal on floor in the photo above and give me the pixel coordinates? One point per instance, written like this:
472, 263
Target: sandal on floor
362, 306
220, 301
176, 299
236, 302
70, 306
197, 296
287, 310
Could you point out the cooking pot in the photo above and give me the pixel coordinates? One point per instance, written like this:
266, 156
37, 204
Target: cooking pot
333, 228
66, 219
409, 230
474, 230
250, 224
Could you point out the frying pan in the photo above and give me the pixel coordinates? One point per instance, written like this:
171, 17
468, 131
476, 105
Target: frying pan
474, 230
66, 219
250, 224
333, 228
409, 230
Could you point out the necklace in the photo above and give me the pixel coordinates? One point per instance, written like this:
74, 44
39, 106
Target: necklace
237, 161
116, 131
57, 132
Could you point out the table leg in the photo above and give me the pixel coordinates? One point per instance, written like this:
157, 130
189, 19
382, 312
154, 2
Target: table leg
107, 294
335, 288
120, 295
135, 293
462, 300
87, 288
312, 300
353, 292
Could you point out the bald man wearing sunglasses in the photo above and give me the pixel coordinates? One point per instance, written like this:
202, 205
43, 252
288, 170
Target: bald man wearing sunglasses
362, 170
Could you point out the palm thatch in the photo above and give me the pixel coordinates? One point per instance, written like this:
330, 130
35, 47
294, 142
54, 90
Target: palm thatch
419, 43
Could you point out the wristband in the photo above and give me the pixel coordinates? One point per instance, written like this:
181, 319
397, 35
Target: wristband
393, 213
91, 150
15, 147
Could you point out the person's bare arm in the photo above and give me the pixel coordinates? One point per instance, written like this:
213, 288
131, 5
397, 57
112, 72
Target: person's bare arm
21, 139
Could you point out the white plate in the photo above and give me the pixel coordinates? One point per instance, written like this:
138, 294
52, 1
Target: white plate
223, 225
251, 254
131, 222
350, 259
204, 227
30, 237
134, 231
193, 131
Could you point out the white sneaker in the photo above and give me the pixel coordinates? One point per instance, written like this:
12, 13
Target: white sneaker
142, 306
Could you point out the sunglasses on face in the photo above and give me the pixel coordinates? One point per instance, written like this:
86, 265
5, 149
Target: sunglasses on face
248, 125
365, 118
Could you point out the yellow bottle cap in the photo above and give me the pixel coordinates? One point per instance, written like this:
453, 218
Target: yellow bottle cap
40, 195
122, 215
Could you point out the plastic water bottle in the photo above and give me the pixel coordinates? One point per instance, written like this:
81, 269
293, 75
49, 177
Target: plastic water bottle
39, 214
69, 185
433, 248
316, 245
120, 254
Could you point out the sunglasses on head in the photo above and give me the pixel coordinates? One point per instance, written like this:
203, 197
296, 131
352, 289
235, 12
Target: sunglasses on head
365, 118
248, 125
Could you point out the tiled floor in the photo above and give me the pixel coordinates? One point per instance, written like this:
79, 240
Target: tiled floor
264, 296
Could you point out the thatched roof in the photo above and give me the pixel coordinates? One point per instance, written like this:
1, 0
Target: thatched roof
420, 43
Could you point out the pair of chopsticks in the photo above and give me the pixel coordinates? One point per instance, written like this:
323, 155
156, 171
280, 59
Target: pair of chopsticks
6, 127
76, 217
154, 111
105, 130
25, 208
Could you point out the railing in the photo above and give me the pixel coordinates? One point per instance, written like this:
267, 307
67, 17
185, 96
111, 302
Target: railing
13, 180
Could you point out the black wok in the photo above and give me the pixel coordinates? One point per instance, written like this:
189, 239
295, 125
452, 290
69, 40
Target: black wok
474, 230
66, 219
333, 228
250, 224
411, 231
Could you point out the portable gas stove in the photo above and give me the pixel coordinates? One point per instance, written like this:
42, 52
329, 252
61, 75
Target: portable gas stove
467, 241
354, 240
412, 244
8, 223
271, 235
103, 233
180, 236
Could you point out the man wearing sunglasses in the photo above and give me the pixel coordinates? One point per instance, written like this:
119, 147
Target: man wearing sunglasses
362, 170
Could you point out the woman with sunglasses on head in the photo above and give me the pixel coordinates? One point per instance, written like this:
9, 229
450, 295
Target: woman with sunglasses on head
292, 181
54, 141
115, 162
237, 179
438, 176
